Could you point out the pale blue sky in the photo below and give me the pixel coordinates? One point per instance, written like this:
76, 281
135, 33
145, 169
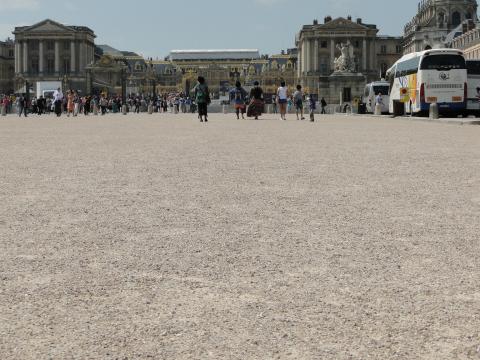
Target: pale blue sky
153, 28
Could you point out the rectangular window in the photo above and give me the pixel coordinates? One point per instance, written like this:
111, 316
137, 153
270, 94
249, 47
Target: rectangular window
443, 62
66, 66
50, 66
383, 49
347, 94
66, 45
323, 44
35, 66
50, 45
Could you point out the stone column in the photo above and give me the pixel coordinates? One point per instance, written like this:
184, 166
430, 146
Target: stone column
82, 57
41, 57
25, 56
332, 55
300, 63
315, 56
373, 64
309, 55
73, 65
17, 57
364, 55
57, 56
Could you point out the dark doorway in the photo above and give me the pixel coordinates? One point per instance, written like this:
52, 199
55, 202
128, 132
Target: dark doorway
347, 94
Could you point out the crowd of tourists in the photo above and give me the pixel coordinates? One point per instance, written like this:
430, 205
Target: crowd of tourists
250, 104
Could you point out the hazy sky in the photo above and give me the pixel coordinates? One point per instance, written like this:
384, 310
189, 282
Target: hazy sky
153, 28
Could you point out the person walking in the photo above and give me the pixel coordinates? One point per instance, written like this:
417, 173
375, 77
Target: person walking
282, 98
41, 105
22, 106
86, 107
313, 106
323, 105
238, 96
57, 102
202, 98
298, 99
70, 103
379, 101
257, 104
103, 104
274, 104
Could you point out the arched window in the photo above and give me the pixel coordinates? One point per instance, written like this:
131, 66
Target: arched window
456, 18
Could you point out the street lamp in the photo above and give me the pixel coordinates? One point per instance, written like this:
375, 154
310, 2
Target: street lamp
65, 82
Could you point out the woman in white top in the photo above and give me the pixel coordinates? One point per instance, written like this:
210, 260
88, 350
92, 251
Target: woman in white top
282, 98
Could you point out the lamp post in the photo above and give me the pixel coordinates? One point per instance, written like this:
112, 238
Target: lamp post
65, 82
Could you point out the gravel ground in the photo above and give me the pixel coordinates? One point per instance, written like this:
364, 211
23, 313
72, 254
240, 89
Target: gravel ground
160, 237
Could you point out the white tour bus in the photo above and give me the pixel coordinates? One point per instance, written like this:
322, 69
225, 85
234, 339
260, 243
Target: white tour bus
473, 76
432, 76
370, 93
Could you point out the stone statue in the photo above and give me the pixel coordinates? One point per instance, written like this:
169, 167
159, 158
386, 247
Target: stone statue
441, 19
346, 62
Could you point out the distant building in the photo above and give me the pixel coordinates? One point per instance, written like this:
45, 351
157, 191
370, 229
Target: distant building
469, 42
222, 68
437, 23
53, 52
319, 47
7, 66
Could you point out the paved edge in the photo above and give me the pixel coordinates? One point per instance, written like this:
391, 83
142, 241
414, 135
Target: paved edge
425, 119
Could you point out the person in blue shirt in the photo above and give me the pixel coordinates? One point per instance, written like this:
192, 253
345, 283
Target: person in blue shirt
238, 96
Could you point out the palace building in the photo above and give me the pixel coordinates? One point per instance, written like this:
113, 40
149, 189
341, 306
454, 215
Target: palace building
7, 66
437, 23
52, 52
319, 46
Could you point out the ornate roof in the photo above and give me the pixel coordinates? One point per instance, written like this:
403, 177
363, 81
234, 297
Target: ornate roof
228, 54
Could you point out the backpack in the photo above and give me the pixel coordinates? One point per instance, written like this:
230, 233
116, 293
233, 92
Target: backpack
239, 96
201, 95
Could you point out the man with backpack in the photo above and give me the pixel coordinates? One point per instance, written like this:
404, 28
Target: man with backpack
202, 98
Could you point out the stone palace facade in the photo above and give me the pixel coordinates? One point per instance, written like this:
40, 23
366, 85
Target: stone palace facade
7, 67
319, 46
50, 51
437, 23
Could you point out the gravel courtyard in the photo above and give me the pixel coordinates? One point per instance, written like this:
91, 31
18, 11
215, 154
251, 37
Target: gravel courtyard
136, 237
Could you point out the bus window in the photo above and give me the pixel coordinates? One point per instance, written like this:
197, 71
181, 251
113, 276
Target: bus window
443, 62
383, 89
366, 92
407, 67
473, 67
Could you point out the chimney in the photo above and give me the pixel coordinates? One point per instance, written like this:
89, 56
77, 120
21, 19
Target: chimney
315, 22
349, 17
328, 19
359, 21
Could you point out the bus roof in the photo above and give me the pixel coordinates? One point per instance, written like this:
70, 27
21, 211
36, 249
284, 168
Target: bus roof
425, 52
380, 82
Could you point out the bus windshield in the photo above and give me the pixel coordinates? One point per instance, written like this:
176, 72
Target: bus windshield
383, 89
473, 67
443, 62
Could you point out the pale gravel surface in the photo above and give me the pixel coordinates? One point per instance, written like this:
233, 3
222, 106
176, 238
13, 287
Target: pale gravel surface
160, 237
